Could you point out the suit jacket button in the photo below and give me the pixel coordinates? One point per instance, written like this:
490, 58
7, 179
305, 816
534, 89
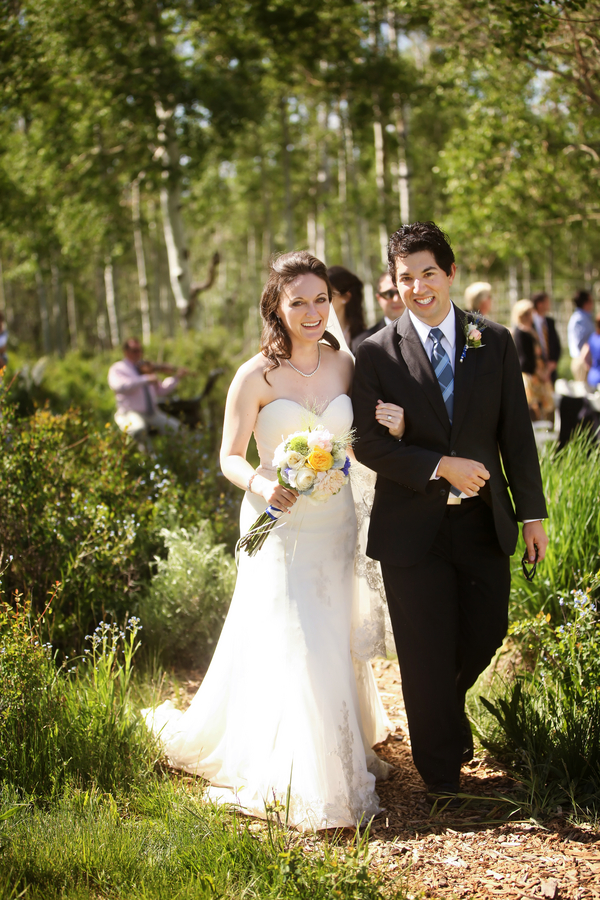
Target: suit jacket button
453, 453
443, 492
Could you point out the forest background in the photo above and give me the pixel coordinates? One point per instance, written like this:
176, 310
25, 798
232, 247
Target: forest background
153, 155
140, 139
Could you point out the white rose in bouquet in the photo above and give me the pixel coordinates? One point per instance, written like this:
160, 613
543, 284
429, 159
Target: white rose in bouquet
302, 479
292, 460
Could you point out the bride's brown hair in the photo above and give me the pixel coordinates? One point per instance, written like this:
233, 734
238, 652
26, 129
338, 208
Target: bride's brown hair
275, 342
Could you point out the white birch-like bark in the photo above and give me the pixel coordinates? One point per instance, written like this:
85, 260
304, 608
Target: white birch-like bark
287, 175
141, 261
401, 116
72, 316
111, 304
380, 182
513, 283
170, 204
526, 270
44, 317
311, 233
57, 311
549, 273
321, 177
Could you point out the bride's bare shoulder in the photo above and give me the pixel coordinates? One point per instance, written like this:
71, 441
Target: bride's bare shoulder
249, 378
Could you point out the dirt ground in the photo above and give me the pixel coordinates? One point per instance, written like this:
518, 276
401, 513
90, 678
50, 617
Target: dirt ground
473, 852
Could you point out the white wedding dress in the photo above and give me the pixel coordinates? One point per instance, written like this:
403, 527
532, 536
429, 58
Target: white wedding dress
284, 703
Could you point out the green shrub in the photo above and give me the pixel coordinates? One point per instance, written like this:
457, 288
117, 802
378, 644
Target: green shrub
71, 725
184, 610
571, 481
549, 718
78, 507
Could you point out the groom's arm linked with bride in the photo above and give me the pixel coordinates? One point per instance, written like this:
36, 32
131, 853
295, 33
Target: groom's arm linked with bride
443, 524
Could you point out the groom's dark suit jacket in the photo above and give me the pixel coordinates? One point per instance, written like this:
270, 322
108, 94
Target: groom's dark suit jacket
491, 424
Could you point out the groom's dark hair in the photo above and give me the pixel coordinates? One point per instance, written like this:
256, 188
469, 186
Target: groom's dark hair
416, 237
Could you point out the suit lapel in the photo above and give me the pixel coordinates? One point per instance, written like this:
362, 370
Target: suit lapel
420, 368
464, 373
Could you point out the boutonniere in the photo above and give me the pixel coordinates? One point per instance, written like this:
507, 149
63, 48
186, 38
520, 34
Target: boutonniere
473, 332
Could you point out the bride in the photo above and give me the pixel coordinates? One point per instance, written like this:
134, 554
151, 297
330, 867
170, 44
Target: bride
285, 715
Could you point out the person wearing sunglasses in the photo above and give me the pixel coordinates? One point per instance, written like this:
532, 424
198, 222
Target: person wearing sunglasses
391, 305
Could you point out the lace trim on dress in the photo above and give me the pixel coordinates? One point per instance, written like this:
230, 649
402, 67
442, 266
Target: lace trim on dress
371, 633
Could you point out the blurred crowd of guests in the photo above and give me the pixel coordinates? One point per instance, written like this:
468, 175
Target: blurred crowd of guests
533, 328
138, 388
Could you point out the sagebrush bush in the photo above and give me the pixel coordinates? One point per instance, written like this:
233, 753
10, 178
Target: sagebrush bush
185, 607
69, 725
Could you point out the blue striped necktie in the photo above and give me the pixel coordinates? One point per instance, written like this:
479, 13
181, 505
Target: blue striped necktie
443, 370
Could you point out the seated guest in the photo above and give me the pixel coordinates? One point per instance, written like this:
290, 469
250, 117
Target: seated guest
347, 301
591, 355
536, 376
546, 331
136, 393
391, 306
478, 297
579, 330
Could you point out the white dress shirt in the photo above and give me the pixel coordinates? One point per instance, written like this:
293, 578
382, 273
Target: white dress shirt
448, 342
133, 392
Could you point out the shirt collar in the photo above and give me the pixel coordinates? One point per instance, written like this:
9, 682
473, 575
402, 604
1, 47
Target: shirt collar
447, 327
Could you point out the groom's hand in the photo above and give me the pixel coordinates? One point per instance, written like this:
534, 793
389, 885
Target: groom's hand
534, 536
467, 475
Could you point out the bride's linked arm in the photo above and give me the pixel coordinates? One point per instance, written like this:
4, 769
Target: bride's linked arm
245, 398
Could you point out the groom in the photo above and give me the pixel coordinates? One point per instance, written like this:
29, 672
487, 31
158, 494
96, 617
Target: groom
443, 524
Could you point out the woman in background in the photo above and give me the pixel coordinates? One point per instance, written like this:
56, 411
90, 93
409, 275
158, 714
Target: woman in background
536, 375
347, 301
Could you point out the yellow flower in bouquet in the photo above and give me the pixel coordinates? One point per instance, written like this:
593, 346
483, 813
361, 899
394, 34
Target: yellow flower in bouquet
320, 460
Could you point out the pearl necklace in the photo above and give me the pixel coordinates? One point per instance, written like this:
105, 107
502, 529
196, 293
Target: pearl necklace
310, 374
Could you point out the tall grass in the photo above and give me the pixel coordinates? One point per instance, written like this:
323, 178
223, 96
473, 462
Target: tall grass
571, 481
164, 842
71, 725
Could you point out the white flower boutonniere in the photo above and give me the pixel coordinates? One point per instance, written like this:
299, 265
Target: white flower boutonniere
474, 327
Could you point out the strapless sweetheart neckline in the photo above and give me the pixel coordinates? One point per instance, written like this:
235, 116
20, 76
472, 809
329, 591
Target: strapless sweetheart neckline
301, 405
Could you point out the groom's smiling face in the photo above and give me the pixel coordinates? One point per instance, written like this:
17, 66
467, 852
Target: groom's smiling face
424, 286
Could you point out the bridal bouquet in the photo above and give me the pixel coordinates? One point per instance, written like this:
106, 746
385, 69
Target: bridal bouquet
313, 462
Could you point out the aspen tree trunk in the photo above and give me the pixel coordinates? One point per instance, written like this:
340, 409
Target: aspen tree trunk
513, 283
57, 311
321, 180
170, 204
72, 316
526, 268
287, 175
44, 317
154, 233
548, 273
343, 196
401, 122
111, 306
268, 230
141, 261
401, 117
380, 181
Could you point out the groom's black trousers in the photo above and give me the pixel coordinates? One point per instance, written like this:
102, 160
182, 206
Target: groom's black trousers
449, 613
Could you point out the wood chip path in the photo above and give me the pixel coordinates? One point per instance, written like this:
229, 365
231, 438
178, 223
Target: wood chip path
470, 853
